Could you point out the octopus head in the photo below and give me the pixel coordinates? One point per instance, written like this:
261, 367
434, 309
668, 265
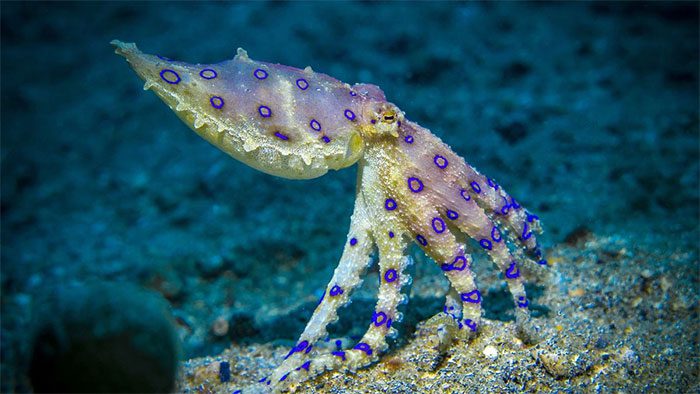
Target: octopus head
384, 120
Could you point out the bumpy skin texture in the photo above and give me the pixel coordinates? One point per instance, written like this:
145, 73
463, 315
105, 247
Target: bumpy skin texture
411, 188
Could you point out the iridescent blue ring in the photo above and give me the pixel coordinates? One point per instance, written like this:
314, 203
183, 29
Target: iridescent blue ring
364, 347
264, 111
210, 73
315, 125
421, 240
302, 84
458, 260
440, 161
476, 187
465, 195
335, 291
496, 234
438, 225
513, 271
486, 244
216, 102
415, 184
167, 71
349, 114
390, 204
379, 318
473, 297
260, 73
408, 139
452, 215
390, 275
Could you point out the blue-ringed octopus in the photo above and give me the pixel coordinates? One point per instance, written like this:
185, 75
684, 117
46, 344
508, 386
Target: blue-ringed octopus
412, 188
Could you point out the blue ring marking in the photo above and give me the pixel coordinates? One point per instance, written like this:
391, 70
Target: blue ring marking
315, 125
165, 71
211, 73
353, 93
473, 297
513, 271
506, 206
349, 114
335, 291
421, 240
486, 244
390, 275
514, 203
264, 111
302, 84
373, 121
301, 346
353, 241
339, 344
216, 102
492, 183
281, 136
326, 139
440, 161
476, 187
526, 232
531, 217
364, 347
438, 225
308, 349
398, 123
260, 73
284, 377
390, 204
388, 323
465, 195
446, 267
340, 354
237, 392
496, 232
469, 323
391, 234
542, 262
415, 184
452, 215
376, 318
305, 366
408, 139
523, 302
457, 260
262, 380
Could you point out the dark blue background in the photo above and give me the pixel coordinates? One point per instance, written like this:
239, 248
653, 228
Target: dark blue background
585, 112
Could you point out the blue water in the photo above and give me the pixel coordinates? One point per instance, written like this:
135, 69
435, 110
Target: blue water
587, 112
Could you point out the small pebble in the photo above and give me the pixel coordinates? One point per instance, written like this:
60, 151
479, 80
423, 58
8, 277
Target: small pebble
490, 352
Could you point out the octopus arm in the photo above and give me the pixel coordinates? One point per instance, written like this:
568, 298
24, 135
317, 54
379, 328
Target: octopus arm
297, 364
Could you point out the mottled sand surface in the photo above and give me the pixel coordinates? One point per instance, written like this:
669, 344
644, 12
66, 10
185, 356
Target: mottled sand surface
629, 325
585, 112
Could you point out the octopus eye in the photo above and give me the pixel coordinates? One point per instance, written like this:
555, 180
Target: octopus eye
389, 117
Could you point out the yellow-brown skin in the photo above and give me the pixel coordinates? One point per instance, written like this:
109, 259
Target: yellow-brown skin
411, 187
